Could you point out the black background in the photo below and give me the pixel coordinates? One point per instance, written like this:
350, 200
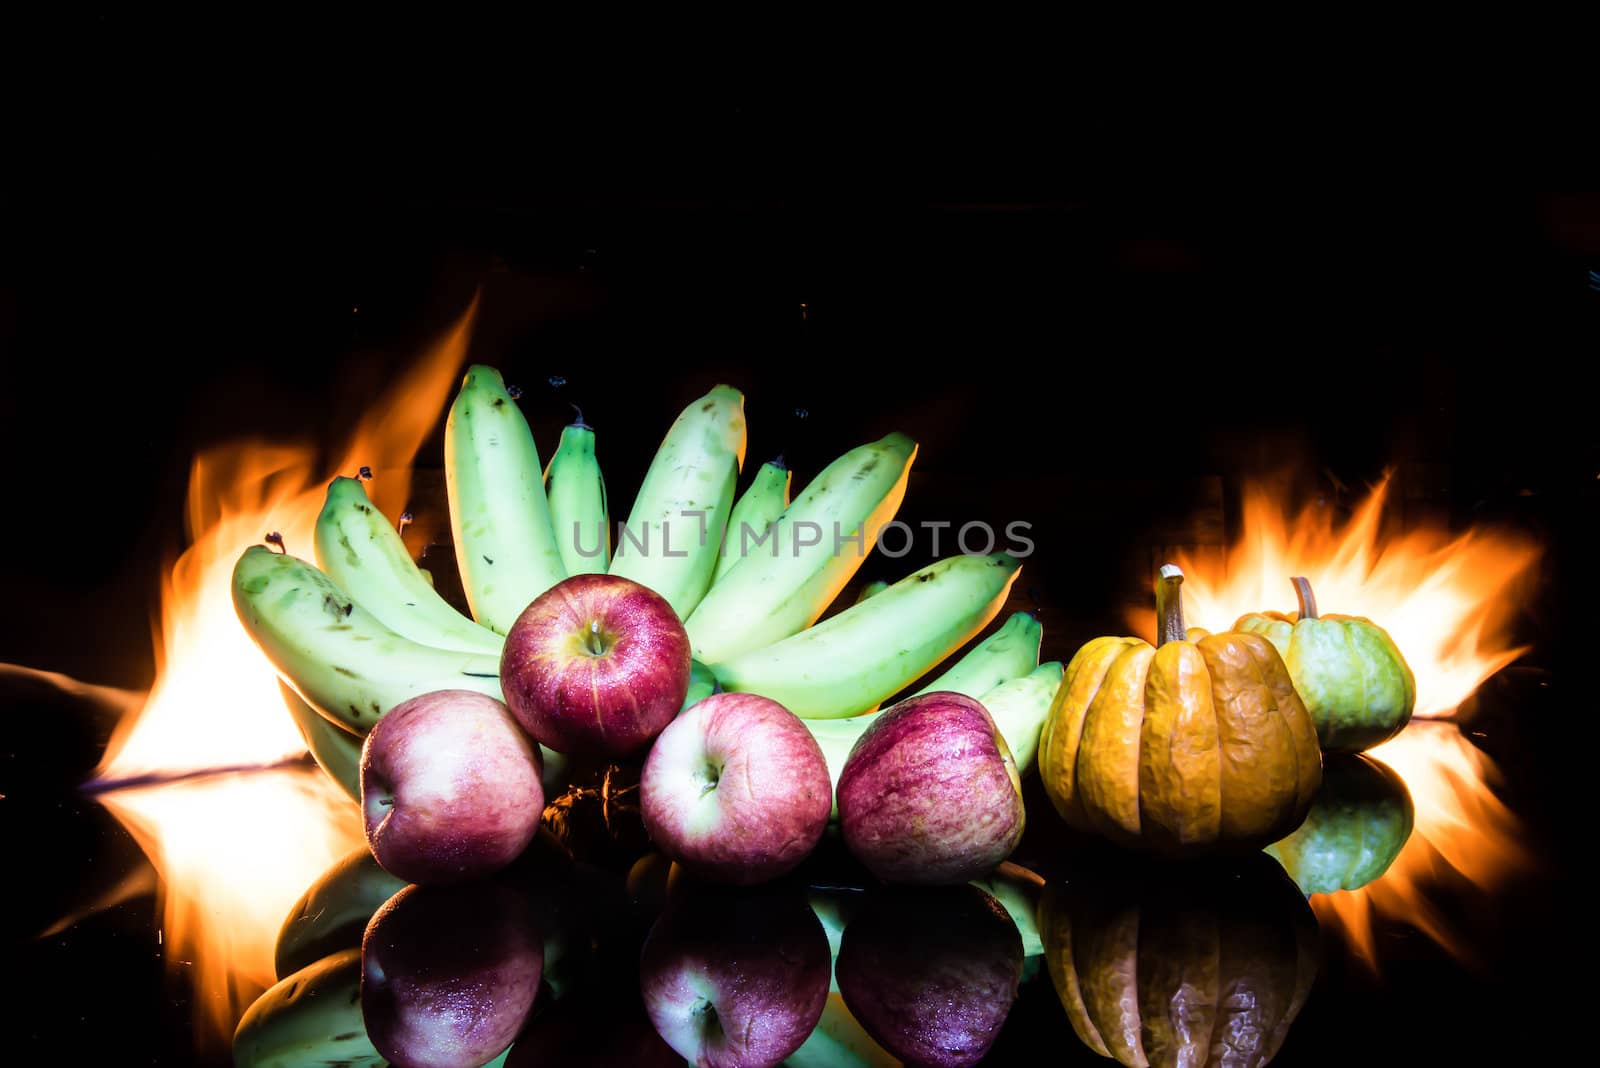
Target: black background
1082, 362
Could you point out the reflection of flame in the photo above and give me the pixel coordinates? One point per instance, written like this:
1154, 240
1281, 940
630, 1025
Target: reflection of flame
236, 851
1448, 602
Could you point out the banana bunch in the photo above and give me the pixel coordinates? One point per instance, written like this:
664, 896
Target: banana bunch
362, 628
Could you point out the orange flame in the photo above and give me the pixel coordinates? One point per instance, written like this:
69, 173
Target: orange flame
235, 851
1448, 602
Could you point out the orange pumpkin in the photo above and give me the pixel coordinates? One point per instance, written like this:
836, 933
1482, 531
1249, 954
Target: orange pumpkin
1208, 964
1185, 748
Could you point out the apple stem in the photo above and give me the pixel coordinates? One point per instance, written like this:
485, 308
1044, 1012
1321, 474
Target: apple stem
1169, 605
596, 645
386, 802
1308, 601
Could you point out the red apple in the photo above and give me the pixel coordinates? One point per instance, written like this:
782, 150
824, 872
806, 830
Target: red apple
735, 979
449, 974
596, 666
736, 789
931, 972
930, 793
449, 788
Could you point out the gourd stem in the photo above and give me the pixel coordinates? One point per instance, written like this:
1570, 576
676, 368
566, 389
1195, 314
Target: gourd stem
1308, 602
1169, 605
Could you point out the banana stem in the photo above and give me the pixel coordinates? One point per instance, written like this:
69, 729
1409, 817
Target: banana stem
1169, 605
1308, 601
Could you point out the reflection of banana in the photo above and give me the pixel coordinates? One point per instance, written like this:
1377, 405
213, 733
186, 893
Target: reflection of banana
1018, 890
336, 750
333, 912
311, 1018
838, 1041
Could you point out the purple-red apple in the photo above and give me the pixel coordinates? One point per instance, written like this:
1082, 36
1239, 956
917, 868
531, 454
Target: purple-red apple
596, 666
449, 788
736, 789
735, 978
930, 793
931, 972
449, 974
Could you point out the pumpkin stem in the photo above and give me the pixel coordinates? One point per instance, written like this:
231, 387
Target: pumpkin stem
1308, 601
1169, 605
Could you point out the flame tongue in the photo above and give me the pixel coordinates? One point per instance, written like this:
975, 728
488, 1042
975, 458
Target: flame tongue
1448, 602
235, 851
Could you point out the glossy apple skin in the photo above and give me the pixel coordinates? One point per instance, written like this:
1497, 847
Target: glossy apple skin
931, 972
450, 788
449, 974
596, 666
735, 978
736, 789
930, 793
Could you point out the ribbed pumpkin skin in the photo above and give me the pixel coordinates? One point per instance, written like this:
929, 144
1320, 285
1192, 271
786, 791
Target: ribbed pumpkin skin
1358, 688
1191, 749
1206, 965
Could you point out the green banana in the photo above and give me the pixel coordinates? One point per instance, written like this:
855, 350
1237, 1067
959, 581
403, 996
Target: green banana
333, 912
670, 541
499, 518
311, 1018
577, 493
839, 1041
702, 684
363, 554
1020, 707
871, 589
345, 663
336, 750
854, 660
779, 591
756, 510
1009, 653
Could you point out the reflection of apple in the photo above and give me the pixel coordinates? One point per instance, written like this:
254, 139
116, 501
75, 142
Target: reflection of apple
597, 665
593, 1027
449, 973
930, 793
931, 972
737, 789
449, 788
735, 978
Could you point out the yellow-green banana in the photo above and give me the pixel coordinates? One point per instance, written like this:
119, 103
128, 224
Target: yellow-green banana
333, 912
1009, 653
340, 658
311, 1018
499, 517
854, 660
1020, 707
336, 750
756, 510
578, 511
814, 548
359, 550
670, 541
702, 684
871, 589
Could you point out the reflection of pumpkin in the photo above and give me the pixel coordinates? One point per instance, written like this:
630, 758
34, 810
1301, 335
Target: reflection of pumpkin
1353, 680
1357, 826
1200, 965
1190, 748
